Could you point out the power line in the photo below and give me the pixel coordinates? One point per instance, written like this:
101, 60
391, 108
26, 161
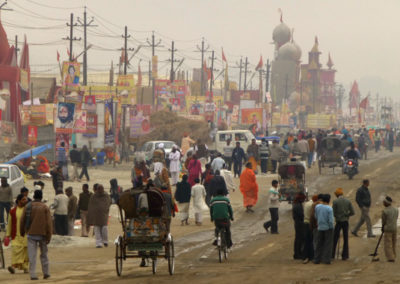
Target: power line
54, 7
34, 14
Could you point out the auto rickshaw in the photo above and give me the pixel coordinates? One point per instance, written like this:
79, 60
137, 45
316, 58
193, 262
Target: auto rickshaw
292, 179
330, 153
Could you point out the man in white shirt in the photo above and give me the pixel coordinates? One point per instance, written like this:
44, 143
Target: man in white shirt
60, 207
273, 208
218, 163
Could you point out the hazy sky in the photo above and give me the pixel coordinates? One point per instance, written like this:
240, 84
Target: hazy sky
361, 35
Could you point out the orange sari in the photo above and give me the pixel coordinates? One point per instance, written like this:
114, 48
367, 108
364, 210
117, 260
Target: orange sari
249, 187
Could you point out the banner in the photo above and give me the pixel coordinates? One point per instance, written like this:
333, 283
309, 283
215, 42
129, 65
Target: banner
90, 103
108, 122
71, 72
62, 137
32, 135
139, 120
125, 81
24, 79
80, 121
101, 93
91, 125
49, 113
154, 67
25, 114
38, 115
253, 116
65, 118
323, 121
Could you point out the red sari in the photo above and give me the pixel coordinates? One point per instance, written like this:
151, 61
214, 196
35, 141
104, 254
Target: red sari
194, 169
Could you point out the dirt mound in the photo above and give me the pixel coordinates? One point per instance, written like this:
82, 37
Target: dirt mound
169, 126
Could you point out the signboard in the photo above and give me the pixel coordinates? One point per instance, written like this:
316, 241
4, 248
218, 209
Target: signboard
80, 121
323, 121
25, 114
252, 116
71, 72
24, 79
91, 125
38, 115
139, 120
125, 81
65, 118
32, 135
108, 122
90, 103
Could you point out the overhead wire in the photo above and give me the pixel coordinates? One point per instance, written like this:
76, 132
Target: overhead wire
33, 14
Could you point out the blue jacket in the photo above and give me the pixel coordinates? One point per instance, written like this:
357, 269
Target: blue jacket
324, 215
238, 154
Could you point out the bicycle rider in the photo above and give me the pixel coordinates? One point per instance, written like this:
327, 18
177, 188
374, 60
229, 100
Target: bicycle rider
221, 214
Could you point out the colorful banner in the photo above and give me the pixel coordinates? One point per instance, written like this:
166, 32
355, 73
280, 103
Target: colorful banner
25, 114
32, 135
38, 115
90, 104
199, 103
91, 125
252, 116
322, 121
125, 81
65, 118
71, 72
139, 120
49, 113
80, 123
108, 122
62, 137
101, 93
24, 79
154, 67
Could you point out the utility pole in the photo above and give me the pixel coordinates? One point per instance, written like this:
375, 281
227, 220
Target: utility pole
240, 66
126, 36
16, 48
245, 75
85, 24
149, 72
202, 50
267, 74
212, 73
71, 37
153, 46
172, 72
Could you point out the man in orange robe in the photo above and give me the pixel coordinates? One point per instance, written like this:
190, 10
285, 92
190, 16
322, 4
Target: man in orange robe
249, 188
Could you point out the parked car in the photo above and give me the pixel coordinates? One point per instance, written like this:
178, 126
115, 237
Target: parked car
148, 148
14, 176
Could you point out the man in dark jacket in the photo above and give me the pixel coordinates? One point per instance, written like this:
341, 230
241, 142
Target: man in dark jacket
218, 182
298, 218
238, 156
182, 195
75, 158
85, 159
83, 206
363, 199
57, 178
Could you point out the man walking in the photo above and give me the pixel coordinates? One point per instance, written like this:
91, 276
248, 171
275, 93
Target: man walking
85, 159
75, 158
389, 228
342, 210
6, 201
277, 153
324, 215
72, 207
238, 156
60, 206
174, 164
253, 155
36, 223
83, 206
228, 149
62, 160
218, 163
273, 208
363, 199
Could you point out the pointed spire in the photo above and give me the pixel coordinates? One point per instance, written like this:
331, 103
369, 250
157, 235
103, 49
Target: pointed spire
330, 62
315, 47
280, 12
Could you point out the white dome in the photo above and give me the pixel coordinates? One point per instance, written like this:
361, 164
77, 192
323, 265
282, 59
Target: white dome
288, 51
281, 34
298, 51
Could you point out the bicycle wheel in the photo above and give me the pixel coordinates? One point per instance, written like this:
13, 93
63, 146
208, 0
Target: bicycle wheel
171, 257
219, 243
119, 256
224, 245
2, 261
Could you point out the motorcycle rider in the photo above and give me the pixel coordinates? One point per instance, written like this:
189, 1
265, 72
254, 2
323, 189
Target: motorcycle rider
352, 153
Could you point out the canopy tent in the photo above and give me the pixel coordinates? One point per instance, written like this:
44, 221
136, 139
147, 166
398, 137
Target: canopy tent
28, 153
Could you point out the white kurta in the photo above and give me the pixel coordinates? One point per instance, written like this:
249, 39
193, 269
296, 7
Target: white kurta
174, 158
227, 175
198, 197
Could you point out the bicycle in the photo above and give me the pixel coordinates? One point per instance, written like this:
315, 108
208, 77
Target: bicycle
222, 244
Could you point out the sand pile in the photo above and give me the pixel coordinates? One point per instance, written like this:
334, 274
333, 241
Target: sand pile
169, 126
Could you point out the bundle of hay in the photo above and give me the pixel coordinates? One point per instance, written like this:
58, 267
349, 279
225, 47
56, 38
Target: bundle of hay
169, 126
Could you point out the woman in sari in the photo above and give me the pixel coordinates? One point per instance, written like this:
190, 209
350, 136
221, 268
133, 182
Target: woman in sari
249, 188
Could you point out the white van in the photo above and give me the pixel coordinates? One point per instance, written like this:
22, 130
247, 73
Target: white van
242, 136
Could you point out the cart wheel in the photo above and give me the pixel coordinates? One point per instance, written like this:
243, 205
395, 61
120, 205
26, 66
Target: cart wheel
154, 265
119, 254
171, 257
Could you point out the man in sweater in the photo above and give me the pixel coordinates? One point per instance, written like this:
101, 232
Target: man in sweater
75, 158
83, 206
36, 223
389, 228
342, 210
273, 208
72, 207
363, 199
221, 214
324, 215
60, 206
6, 200
264, 154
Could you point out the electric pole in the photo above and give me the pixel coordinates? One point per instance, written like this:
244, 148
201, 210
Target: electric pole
212, 73
202, 50
172, 72
16, 48
126, 36
240, 66
267, 74
153, 46
71, 37
245, 75
85, 24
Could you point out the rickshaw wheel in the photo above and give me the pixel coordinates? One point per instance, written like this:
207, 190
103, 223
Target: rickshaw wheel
119, 255
171, 256
154, 265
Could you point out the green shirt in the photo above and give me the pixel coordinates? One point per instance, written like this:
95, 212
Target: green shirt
220, 208
389, 219
342, 209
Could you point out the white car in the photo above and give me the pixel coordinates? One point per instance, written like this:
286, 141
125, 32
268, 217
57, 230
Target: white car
148, 148
14, 176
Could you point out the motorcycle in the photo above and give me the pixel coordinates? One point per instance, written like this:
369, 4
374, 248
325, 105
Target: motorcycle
350, 168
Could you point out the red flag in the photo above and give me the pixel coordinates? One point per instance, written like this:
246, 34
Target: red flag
58, 56
207, 70
122, 58
260, 63
223, 56
69, 53
364, 103
139, 80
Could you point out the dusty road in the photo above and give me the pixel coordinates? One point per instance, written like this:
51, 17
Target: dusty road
257, 257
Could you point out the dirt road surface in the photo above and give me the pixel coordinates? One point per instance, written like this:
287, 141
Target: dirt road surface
257, 257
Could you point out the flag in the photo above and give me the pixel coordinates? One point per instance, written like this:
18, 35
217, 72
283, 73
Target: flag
139, 81
58, 56
68, 53
260, 63
206, 70
226, 78
364, 103
223, 56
